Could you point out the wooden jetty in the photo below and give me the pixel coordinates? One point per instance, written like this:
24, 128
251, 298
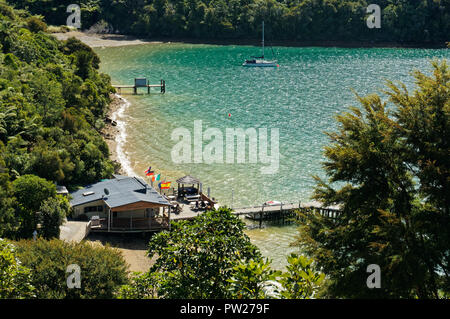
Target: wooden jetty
286, 211
142, 83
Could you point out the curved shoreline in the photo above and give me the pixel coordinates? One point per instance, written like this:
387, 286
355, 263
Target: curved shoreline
115, 136
121, 137
102, 40
113, 40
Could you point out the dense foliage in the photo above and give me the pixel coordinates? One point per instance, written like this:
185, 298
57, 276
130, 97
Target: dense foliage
390, 160
418, 21
15, 279
30, 191
103, 269
211, 257
52, 103
52, 213
196, 258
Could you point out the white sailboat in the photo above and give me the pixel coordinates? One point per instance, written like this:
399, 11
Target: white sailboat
260, 61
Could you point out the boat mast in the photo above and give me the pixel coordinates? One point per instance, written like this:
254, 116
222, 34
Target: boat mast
263, 39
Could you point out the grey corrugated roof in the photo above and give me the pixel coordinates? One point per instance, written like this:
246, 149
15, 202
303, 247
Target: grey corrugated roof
188, 179
122, 190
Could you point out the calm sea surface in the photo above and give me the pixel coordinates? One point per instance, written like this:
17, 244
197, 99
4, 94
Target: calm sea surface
208, 83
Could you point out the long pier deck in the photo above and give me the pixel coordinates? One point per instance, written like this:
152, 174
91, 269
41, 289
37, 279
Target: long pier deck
285, 210
284, 207
161, 86
266, 212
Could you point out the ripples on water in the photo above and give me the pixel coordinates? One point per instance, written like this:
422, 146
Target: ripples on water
301, 98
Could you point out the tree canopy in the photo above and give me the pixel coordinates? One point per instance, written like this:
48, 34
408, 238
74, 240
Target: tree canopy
102, 269
15, 279
51, 98
388, 167
211, 257
403, 21
196, 259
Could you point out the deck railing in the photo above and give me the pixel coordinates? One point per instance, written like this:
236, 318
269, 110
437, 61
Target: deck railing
133, 224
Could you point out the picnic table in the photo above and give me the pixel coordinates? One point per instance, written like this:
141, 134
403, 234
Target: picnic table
192, 198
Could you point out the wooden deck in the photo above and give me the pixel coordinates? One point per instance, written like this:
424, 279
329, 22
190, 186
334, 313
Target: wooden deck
133, 225
254, 210
161, 86
285, 211
265, 212
187, 213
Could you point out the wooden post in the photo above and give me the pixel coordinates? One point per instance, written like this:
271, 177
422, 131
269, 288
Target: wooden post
109, 219
149, 219
135, 89
261, 216
281, 213
168, 219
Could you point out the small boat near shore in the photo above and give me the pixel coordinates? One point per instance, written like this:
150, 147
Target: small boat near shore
260, 61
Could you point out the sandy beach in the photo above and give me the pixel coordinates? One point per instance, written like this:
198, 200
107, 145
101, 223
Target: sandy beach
111, 132
102, 40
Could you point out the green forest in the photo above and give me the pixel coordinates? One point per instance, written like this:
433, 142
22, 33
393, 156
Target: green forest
52, 106
423, 22
387, 165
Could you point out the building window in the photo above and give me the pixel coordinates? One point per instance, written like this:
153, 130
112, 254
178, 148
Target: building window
93, 209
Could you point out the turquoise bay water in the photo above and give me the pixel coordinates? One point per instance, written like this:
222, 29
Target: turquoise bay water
300, 98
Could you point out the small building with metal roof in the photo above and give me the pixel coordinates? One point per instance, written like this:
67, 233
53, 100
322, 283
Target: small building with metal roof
121, 204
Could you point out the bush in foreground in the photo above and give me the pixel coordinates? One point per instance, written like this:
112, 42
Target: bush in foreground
15, 279
211, 257
103, 269
388, 167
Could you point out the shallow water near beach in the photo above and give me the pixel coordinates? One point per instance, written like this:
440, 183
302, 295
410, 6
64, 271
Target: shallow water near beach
207, 82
